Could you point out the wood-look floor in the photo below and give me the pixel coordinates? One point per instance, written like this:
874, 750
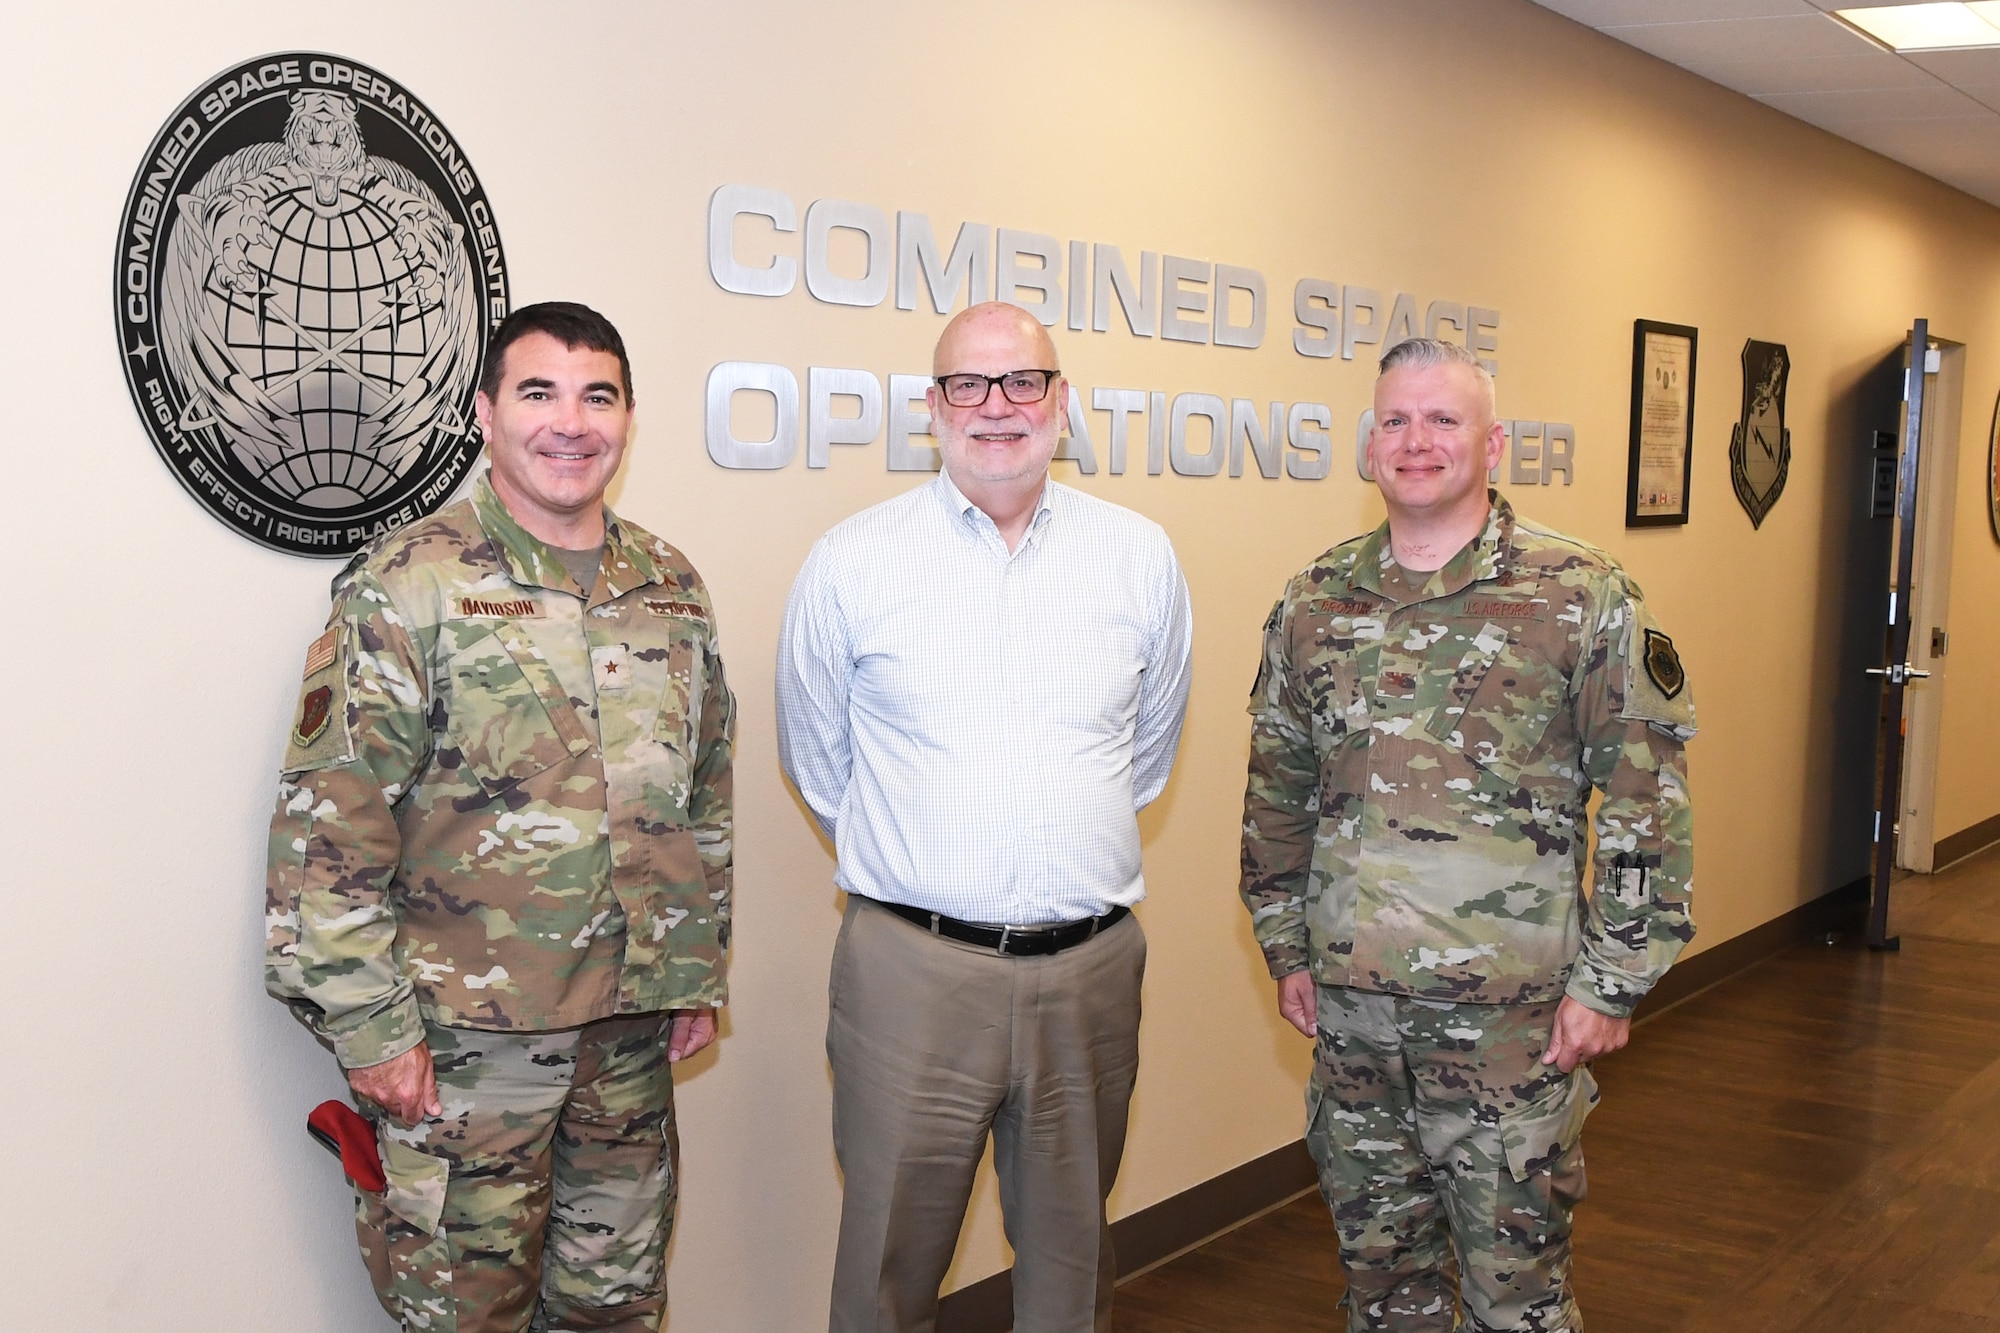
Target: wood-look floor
1813, 1144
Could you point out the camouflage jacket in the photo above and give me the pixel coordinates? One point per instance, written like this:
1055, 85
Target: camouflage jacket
1421, 759
502, 807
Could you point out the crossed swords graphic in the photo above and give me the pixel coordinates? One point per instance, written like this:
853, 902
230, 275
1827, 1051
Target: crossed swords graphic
323, 353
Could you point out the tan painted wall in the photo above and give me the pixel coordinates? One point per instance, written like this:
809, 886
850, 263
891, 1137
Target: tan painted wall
1489, 153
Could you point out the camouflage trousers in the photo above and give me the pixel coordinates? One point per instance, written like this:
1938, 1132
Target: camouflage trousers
1450, 1157
543, 1197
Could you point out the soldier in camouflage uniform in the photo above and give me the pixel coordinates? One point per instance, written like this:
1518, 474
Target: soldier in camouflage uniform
1437, 702
500, 864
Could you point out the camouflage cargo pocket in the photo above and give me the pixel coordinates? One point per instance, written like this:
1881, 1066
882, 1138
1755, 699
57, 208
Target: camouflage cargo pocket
497, 719
405, 1248
1543, 1146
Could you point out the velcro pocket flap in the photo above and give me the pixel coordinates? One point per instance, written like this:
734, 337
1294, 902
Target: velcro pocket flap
509, 716
1464, 683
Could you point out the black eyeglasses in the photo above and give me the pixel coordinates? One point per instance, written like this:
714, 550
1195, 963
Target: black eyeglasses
1020, 386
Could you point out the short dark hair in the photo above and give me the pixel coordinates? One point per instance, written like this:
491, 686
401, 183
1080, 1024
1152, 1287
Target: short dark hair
569, 323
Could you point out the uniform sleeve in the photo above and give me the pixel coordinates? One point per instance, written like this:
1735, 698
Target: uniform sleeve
358, 741
1635, 714
1280, 807
815, 746
1163, 690
712, 794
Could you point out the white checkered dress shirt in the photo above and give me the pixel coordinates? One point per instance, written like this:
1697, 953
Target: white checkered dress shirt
975, 729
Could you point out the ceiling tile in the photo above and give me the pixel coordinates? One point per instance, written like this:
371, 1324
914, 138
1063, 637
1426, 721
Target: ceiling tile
1938, 112
1823, 74
1929, 144
1602, 13
1876, 104
1959, 68
1830, 5
1798, 37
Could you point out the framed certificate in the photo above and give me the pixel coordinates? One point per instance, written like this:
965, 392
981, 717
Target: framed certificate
1656, 480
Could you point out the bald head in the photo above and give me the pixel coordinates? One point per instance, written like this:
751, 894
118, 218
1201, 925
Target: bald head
997, 450
988, 326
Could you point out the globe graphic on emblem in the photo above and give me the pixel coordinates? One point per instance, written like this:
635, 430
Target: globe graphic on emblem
339, 331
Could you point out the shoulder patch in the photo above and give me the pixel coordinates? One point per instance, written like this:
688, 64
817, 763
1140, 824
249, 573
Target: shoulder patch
1656, 684
315, 711
1663, 664
1274, 629
319, 655
318, 737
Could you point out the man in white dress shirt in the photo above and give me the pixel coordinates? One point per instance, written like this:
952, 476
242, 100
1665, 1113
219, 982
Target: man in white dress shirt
980, 683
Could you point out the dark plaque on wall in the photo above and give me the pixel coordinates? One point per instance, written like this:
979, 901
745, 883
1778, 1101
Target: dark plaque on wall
1656, 475
308, 269
1993, 472
1760, 447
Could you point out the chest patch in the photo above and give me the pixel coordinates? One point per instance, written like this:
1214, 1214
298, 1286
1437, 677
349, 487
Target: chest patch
1494, 608
1338, 606
509, 608
611, 666
667, 606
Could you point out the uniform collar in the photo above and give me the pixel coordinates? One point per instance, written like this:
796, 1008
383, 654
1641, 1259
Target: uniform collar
532, 562
1488, 556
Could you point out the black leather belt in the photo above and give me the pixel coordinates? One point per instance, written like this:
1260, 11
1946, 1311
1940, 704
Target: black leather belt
1013, 941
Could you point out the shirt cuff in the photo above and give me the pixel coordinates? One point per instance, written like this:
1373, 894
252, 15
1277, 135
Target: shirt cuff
1599, 993
380, 1038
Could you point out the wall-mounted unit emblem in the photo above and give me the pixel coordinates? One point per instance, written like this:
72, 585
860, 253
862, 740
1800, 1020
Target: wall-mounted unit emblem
1760, 445
308, 269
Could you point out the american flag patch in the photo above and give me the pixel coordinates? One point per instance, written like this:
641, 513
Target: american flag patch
320, 655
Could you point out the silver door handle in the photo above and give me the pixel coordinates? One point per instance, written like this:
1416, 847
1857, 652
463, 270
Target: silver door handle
1899, 673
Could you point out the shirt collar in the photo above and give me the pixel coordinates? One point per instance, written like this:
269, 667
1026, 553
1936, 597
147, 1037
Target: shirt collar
953, 499
532, 562
1486, 557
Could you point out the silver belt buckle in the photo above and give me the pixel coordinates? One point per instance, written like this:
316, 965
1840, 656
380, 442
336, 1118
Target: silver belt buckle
1006, 933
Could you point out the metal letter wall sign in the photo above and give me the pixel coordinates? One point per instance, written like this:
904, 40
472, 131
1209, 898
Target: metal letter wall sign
1760, 447
307, 273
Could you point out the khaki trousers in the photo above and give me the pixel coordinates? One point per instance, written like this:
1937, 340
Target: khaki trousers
935, 1044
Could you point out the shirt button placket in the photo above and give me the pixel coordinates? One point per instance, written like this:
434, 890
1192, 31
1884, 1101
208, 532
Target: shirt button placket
1014, 681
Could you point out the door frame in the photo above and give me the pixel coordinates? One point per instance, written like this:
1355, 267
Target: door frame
1930, 603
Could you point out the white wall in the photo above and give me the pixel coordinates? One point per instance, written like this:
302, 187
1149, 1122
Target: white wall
1492, 153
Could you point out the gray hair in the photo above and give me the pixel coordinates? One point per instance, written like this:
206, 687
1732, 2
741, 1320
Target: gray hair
1423, 353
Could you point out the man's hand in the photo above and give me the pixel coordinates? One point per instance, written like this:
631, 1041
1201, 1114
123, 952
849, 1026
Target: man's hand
405, 1087
692, 1029
1581, 1033
1298, 1001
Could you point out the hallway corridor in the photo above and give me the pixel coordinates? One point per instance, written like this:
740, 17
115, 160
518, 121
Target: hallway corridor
1812, 1144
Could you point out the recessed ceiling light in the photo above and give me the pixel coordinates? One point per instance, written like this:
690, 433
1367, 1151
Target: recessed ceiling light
1937, 27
